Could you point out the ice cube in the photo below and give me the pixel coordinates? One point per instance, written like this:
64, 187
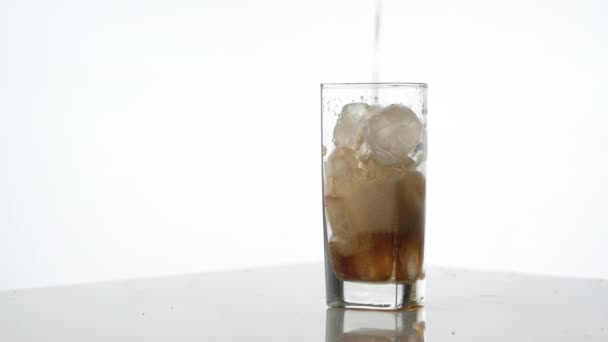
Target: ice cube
392, 133
364, 257
375, 264
339, 169
339, 220
409, 260
411, 191
346, 245
348, 123
342, 162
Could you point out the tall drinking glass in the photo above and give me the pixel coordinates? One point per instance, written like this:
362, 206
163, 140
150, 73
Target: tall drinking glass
374, 187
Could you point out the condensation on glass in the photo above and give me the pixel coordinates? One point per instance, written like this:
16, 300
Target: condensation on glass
374, 188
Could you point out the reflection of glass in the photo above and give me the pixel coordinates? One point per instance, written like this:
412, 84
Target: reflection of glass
343, 325
374, 187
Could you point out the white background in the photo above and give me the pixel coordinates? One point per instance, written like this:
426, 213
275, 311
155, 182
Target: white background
158, 137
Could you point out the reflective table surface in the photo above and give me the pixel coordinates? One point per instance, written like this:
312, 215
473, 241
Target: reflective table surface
287, 303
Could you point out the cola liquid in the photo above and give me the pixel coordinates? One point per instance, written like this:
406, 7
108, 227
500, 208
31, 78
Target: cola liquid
374, 194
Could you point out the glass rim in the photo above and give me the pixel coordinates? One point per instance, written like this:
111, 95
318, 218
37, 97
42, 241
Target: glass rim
373, 85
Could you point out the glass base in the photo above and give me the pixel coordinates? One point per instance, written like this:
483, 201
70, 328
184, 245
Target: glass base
359, 295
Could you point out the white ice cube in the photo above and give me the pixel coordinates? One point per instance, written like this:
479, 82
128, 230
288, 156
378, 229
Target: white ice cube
348, 123
392, 133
